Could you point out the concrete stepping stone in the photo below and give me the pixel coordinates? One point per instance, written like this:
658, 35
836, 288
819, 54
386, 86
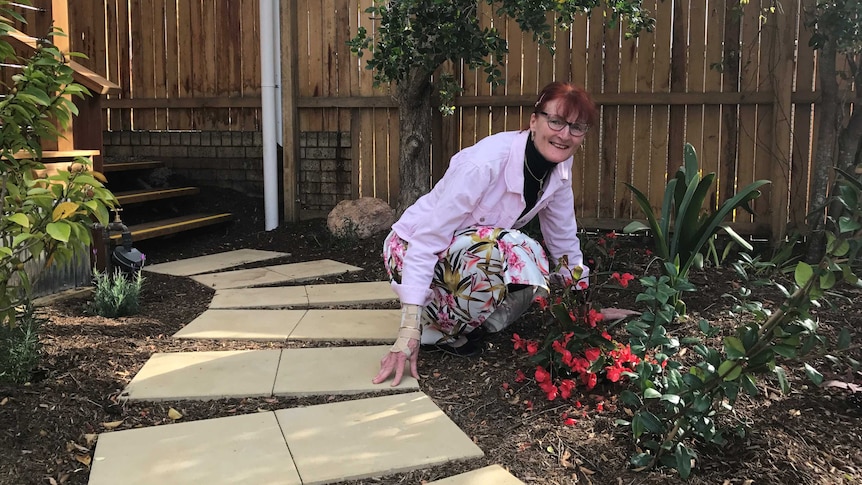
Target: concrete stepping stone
333, 370
256, 373
224, 451
305, 296
271, 275
213, 262
371, 437
205, 375
263, 325
490, 474
352, 324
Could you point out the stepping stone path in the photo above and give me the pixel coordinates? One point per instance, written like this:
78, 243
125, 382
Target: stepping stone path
320, 444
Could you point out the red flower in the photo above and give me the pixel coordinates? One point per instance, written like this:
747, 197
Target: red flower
566, 387
606, 336
623, 279
505, 386
592, 354
570, 422
613, 372
519, 342
532, 347
611, 235
542, 375
612, 252
528, 405
580, 365
542, 302
600, 407
589, 379
519, 376
583, 285
549, 389
594, 317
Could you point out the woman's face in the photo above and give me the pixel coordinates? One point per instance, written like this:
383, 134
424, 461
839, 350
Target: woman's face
555, 146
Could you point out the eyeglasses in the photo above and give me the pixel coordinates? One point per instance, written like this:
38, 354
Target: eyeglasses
557, 124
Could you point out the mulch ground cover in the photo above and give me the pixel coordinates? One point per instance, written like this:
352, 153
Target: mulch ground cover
48, 426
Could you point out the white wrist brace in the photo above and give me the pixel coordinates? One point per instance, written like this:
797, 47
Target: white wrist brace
410, 328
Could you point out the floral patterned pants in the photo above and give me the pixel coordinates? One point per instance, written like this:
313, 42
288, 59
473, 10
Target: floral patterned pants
472, 276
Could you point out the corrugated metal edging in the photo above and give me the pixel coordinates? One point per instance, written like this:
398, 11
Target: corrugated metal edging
60, 277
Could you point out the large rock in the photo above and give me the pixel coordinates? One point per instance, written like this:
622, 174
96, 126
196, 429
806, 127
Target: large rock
362, 218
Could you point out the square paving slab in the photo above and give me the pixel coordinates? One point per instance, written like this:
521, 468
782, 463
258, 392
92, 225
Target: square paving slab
353, 324
205, 375
350, 293
371, 437
271, 275
266, 325
494, 474
276, 296
248, 449
334, 370
213, 262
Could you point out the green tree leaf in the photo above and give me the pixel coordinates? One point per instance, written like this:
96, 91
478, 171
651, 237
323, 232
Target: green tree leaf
803, 273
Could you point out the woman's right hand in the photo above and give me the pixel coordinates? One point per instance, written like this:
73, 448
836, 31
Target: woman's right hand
406, 347
394, 361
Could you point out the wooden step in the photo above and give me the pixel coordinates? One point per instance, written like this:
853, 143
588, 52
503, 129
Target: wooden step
129, 166
173, 226
145, 195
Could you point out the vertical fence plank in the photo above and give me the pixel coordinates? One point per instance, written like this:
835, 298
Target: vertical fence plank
199, 58
730, 83
626, 148
143, 79
185, 63
159, 61
710, 155
578, 75
514, 66
679, 70
249, 118
643, 117
609, 132
748, 121
592, 154
659, 169
802, 129
696, 64
172, 63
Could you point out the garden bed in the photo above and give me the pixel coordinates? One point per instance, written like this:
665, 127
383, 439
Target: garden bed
47, 427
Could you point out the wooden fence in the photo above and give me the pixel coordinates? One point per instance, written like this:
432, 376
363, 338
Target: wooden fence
730, 77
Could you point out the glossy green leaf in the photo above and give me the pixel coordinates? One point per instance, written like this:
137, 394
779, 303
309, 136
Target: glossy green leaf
729, 370
60, 231
803, 273
651, 393
783, 384
813, 374
733, 348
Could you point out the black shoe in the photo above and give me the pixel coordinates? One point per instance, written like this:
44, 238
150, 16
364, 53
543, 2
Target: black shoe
470, 348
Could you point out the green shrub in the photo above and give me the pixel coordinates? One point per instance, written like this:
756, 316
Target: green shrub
117, 295
20, 346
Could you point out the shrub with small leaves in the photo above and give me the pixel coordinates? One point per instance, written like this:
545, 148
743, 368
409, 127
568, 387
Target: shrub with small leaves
20, 346
116, 295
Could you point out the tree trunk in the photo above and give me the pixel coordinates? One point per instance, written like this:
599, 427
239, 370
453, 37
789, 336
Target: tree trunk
827, 139
415, 112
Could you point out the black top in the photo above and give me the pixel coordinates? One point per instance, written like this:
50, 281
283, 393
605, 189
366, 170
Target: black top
535, 166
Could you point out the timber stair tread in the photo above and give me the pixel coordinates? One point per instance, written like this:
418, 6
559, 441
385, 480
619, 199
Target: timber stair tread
174, 225
145, 195
129, 166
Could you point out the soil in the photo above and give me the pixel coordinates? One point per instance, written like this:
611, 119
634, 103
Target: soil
48, 426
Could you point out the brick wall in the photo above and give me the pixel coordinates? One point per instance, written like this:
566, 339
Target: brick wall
234, 160
325, 173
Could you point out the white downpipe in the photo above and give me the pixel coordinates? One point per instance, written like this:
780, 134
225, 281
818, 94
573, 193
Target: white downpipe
276, 50
269, 122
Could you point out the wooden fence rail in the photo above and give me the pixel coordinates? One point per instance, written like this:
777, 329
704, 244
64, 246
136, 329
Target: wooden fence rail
727, 76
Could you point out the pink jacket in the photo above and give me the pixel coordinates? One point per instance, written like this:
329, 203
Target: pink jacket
483, 186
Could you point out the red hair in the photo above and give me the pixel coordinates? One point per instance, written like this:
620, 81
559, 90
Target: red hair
572, 99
